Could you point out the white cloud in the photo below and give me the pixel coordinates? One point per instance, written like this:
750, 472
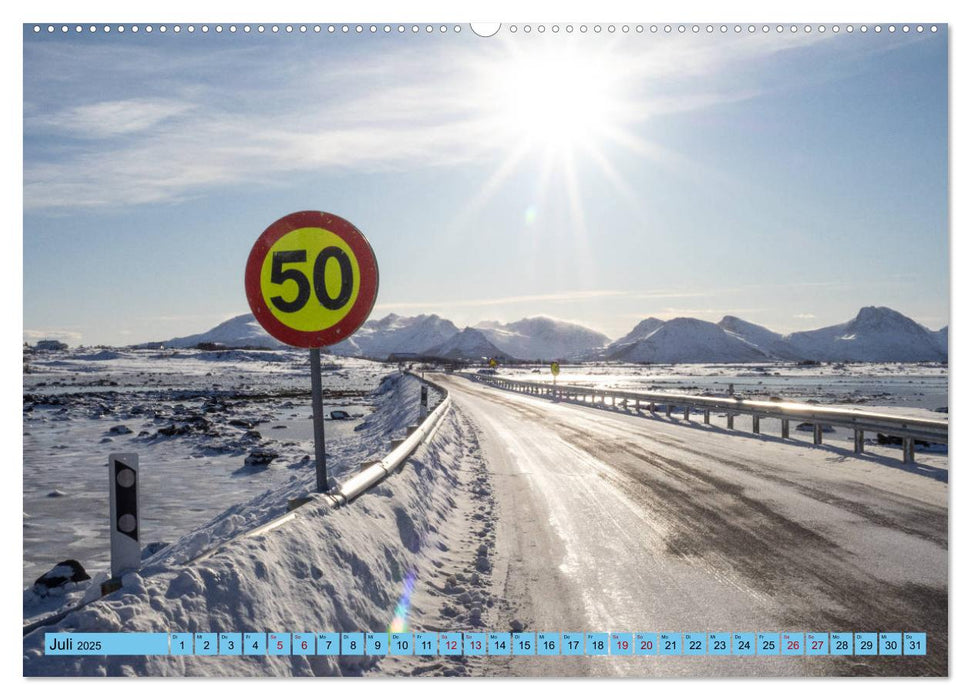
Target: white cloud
112, 118
182, 130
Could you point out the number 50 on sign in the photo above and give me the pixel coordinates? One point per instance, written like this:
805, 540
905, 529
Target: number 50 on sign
311, 279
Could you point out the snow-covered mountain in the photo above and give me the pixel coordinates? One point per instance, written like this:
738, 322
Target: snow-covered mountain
641, 331
690, 340
397, 334
877, 334
238, 332
771, 343
469, 344
542, 338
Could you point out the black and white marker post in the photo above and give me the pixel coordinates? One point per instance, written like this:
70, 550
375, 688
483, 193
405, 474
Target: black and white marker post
317, 399
126, 551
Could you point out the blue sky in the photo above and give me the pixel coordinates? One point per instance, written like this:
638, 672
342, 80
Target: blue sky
785, 178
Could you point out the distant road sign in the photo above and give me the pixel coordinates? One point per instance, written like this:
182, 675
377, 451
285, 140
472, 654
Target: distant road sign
311, 279
493, 363
555, 368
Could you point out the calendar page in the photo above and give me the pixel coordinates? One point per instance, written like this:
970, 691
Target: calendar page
602, 349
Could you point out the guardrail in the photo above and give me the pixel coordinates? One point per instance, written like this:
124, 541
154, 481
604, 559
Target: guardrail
402, 448
909, 430
371, 475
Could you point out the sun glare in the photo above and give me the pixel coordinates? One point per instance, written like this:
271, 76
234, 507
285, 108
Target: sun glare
556, 100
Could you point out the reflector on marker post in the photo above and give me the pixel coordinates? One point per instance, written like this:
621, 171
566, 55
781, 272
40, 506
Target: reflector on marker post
424, 401
126, 553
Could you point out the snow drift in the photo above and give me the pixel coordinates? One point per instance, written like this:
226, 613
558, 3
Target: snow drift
325, 570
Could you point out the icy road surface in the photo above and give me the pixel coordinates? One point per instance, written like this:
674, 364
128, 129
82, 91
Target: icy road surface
608, 521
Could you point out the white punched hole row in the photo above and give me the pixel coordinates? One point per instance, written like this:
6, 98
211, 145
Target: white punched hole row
455, 28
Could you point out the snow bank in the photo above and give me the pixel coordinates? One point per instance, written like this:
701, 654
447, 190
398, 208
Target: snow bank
324, 570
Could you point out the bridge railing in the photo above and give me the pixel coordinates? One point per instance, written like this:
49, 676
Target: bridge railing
906, 428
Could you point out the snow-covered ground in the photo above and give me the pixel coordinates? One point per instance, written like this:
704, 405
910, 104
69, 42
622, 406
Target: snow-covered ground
519, 512
349, 569
867, 385
199, 422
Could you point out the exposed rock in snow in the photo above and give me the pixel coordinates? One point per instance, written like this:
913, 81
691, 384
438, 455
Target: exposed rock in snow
67, 571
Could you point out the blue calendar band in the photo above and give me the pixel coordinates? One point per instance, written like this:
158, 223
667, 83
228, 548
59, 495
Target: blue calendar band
486, 643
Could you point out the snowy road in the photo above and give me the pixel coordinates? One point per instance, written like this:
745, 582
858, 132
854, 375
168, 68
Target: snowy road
609, 521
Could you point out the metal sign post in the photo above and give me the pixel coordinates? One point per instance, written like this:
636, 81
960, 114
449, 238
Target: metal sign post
317, 399
311, 281
126, 552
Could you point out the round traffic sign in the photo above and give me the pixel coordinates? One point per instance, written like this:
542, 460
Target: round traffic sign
311, 279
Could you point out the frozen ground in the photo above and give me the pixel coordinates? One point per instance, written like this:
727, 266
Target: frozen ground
522, 513
195, 419
429, 528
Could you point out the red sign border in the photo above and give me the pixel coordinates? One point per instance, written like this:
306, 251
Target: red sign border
367, 292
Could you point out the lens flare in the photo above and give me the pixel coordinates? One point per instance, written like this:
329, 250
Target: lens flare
400, 621
531, 213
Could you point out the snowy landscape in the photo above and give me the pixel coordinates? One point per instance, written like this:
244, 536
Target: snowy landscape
225, 442
672, 359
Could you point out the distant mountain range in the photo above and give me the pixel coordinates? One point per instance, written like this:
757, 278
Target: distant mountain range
876, 334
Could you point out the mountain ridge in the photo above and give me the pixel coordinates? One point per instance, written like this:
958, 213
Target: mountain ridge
875, 334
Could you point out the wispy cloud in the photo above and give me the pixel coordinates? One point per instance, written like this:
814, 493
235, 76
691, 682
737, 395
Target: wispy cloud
111, 118
804, 316
169, 127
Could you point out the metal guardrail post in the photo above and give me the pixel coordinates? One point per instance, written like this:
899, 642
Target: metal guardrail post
707, 414
667, 410
755, 423
687, 413
908, 445
785, 428
858, 441
817, 433
731, 420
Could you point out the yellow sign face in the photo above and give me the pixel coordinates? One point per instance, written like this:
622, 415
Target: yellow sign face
493, 363
555, 368
310, 279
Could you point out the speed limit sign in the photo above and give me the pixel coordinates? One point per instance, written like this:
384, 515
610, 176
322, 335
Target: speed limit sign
311, 279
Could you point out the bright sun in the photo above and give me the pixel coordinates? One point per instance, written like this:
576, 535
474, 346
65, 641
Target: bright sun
564, 106
558, 101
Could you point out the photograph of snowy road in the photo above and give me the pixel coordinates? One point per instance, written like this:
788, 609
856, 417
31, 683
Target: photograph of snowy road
538, 350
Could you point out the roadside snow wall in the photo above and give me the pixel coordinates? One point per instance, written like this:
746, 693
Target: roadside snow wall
329, 569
